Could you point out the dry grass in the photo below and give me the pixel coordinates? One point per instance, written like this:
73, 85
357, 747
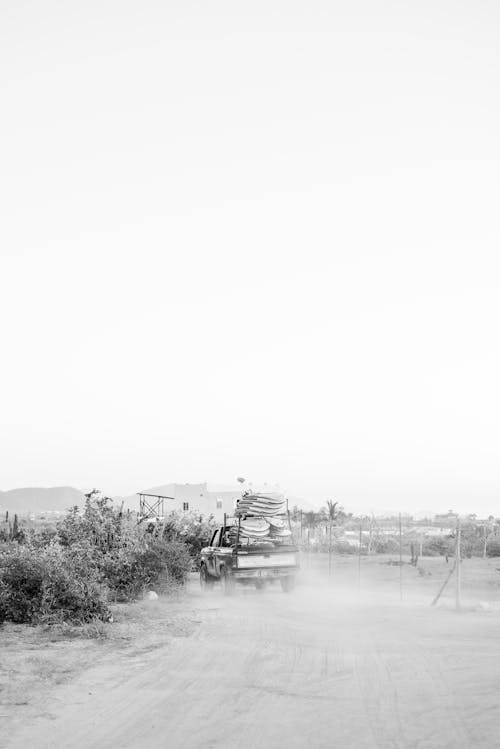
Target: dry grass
381, 573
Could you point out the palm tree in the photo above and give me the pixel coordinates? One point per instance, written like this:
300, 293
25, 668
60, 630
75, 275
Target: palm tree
333, 514
331, 507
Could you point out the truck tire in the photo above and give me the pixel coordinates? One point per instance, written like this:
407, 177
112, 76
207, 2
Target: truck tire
206, 580
259, 585
228, 582
288, 583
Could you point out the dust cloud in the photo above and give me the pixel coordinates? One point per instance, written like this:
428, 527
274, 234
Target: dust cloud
356, 658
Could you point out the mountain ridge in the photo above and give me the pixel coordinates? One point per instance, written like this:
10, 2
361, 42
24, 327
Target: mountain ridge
37, 499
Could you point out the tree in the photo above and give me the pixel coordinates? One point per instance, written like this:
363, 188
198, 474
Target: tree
311, 519
332, 511
99, 525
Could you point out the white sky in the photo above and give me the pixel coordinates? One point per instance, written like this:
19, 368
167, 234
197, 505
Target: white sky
252, 238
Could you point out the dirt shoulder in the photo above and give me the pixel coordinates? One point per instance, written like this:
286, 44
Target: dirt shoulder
35, 661
341, 661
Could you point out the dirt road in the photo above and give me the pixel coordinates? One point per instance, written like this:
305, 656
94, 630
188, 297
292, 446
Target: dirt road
321, 667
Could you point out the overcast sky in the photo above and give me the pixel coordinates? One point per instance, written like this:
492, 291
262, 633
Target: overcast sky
252, 238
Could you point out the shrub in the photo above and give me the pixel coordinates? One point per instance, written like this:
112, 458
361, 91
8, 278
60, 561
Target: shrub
177, 562
95, 555
386, 545
493, 548
192, 529
344, 547
128, 572
100, 525
44, 585
438, 546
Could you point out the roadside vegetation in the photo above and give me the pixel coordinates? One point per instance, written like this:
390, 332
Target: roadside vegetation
332, 529
72, 571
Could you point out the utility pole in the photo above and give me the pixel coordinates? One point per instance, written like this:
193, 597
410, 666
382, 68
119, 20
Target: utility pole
458, 591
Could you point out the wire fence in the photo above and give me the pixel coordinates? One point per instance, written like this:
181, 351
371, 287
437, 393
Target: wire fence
451, 559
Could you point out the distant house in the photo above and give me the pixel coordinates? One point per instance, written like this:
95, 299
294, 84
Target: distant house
205, 499
448, 517
446, 521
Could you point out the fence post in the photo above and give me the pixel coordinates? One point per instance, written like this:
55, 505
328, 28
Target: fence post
443, 586
359, 552
458, 589
400, 560
330, 552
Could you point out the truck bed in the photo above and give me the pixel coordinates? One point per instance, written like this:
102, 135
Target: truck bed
258, 558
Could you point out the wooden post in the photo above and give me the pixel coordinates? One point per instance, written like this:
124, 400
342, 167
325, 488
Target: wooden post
359, 551
443, 586
485, 539
458, 589
330, 552
400, 560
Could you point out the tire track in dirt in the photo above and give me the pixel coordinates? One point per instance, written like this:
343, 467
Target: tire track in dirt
273, 670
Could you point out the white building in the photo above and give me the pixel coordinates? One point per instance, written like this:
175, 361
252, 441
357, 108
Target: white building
205, 499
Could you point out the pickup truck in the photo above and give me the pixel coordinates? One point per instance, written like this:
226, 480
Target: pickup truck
233, 560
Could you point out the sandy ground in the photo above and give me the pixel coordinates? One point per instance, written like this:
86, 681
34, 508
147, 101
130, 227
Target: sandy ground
332, 664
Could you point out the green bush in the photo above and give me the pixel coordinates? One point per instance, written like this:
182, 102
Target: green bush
191, 529
44, 585
386, 545
99, 525
344, 547
129, 572
493, 548
436, 546
96, 555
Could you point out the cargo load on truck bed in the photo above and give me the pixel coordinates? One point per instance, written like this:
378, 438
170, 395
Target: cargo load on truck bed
255, 546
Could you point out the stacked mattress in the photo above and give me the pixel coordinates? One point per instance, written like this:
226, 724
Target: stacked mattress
278, 528
255, 528
261, 504
259, 513
259, 529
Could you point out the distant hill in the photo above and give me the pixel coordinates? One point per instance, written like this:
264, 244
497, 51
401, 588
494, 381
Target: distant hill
36, 499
